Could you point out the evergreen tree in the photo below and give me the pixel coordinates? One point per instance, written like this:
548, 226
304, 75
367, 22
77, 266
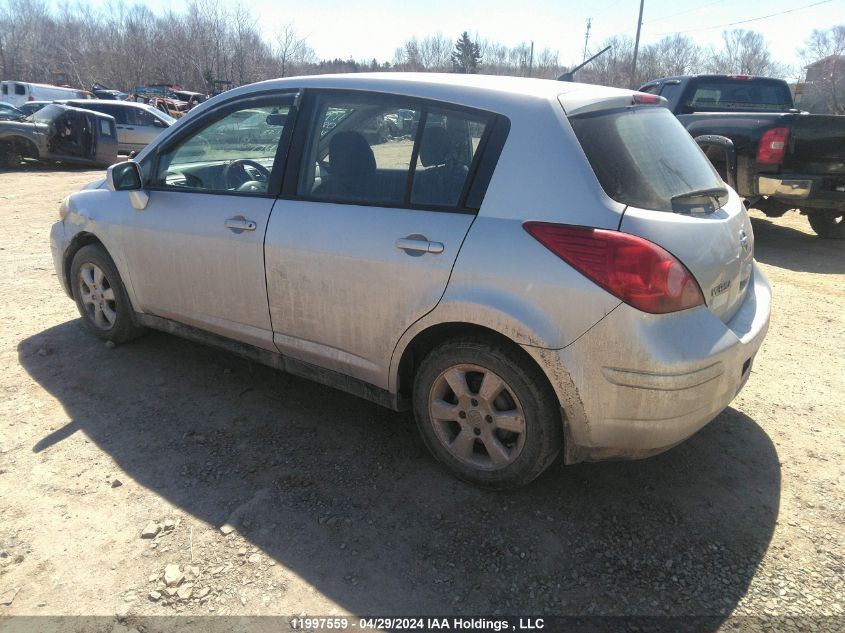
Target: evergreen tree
466, 56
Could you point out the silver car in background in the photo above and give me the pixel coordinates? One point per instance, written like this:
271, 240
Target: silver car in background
137, 123
531, 267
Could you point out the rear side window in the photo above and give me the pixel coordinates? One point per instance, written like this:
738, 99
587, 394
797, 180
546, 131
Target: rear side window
5, 89
670, 90
389, 151
645, 158
447, 147
722, 95
20, 89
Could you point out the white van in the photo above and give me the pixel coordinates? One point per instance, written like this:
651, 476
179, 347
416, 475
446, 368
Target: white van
19, 92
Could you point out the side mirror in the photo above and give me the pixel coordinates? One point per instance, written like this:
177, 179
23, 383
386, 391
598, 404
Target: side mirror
159, 123
126, 176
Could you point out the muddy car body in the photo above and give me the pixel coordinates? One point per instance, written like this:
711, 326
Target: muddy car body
60, 133
524, 268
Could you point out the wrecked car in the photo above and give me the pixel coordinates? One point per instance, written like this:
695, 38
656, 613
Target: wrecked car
8, 112
59, 133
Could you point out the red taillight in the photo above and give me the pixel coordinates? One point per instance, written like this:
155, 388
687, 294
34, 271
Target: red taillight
637, 271
773, 146
741, 77
643, 98
31, 98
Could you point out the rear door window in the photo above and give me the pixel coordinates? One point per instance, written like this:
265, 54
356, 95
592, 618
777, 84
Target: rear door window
389, 151
448, 145
644, 157
355, 152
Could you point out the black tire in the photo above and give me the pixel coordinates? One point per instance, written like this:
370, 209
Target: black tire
123, 328
10, 156
828, 224
524, 385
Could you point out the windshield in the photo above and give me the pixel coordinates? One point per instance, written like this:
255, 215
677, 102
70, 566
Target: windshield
6, 108
161, 115
720, 95
46, 114
645, 158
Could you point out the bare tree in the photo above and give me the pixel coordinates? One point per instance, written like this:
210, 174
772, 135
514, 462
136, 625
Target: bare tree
744, 53
435, 53
824, 55
292, 51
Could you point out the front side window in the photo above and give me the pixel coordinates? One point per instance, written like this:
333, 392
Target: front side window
388, 151
234, 153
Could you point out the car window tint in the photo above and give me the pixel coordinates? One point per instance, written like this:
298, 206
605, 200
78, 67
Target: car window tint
738, 94
671, 90
449, 143
644, 157
20, 89
359, 150
143, 118
235, 153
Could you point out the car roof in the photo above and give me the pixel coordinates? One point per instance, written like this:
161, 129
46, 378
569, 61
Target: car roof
472, 90
108, 102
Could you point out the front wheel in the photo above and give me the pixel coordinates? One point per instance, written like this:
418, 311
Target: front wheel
486, 413
829, 224
100, 295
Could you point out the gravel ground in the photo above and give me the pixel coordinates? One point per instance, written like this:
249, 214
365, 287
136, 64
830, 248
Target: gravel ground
162, 477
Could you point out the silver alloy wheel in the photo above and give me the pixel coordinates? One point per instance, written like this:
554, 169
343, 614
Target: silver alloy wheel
97, 296
477, 417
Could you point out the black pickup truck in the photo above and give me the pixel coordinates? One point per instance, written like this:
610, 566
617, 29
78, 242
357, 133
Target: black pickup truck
776, 157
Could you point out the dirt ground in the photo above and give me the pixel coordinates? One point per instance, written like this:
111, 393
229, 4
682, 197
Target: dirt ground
338, 509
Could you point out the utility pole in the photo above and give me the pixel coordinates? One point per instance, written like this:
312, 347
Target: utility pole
531, 59
587, 37
637, 47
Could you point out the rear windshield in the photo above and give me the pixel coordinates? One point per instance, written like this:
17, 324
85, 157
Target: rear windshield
644, 157
721, 95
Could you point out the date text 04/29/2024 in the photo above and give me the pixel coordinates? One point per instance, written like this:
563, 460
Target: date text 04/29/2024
306, 623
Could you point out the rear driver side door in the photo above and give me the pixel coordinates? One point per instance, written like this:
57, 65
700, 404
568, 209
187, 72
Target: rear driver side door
363, 241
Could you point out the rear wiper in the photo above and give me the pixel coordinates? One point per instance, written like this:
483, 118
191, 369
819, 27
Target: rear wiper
689, 202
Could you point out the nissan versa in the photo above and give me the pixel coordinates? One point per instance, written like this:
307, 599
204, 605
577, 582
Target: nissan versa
530, 266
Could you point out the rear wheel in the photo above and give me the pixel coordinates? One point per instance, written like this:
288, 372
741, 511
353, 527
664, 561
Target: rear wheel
486, 413
100, 295
829, 224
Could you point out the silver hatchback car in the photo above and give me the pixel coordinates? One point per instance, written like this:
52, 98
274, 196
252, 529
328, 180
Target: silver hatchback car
529, 266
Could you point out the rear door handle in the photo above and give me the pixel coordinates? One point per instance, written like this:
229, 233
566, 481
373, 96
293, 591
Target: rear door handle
418, 244
239, 224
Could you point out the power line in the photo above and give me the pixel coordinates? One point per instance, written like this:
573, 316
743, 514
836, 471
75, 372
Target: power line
673, 15
762, 17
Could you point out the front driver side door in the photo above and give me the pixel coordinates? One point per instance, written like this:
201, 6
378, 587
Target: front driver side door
195, 253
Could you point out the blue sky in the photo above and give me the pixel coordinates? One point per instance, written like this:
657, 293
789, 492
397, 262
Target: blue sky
374, 28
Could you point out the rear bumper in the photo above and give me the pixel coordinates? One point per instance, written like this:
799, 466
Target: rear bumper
645, 383
817, 192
